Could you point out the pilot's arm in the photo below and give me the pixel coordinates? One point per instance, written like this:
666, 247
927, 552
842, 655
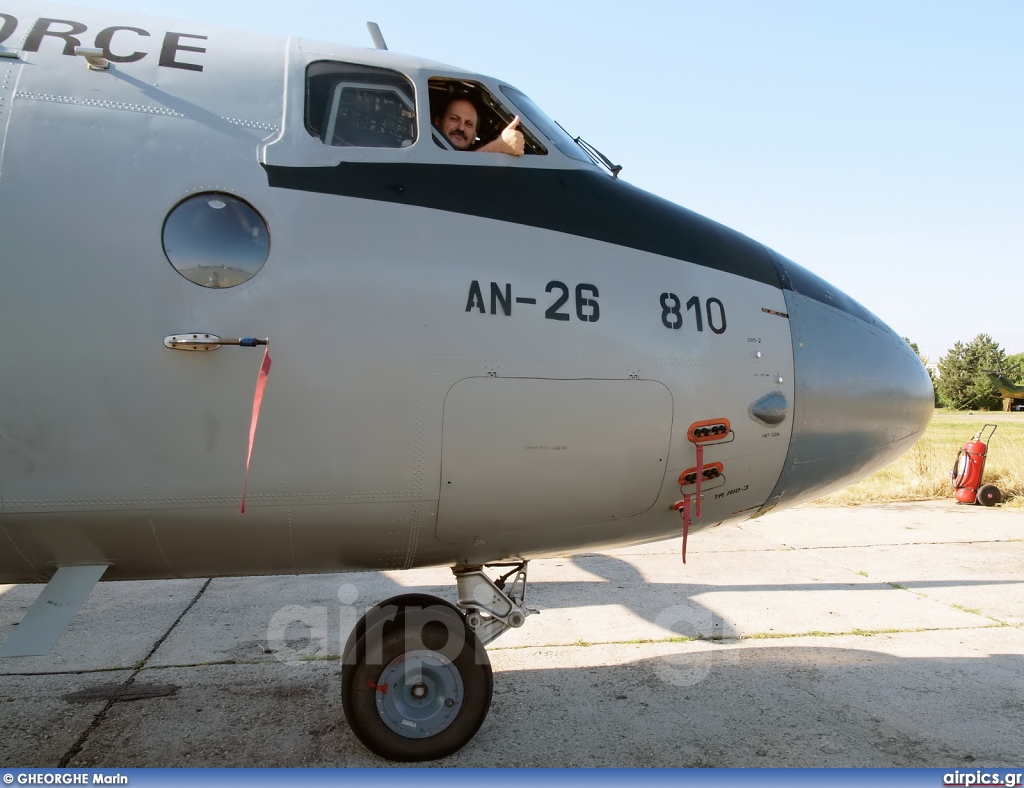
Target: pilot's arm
510, 141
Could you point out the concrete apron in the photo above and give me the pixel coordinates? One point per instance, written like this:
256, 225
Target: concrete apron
870, 636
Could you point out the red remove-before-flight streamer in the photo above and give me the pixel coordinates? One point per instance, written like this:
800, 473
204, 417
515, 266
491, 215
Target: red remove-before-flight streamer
257, 401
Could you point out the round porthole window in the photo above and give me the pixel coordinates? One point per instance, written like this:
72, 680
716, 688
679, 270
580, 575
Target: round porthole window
216, 240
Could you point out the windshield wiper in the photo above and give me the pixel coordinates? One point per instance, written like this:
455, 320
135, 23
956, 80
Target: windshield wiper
595, 155
598, 157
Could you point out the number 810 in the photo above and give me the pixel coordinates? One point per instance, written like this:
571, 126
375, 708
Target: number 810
672, 316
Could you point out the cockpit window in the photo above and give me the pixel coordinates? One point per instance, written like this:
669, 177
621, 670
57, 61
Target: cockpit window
532, 113
491, 115
359, 106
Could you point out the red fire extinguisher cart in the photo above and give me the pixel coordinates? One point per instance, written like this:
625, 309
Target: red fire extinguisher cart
969, 469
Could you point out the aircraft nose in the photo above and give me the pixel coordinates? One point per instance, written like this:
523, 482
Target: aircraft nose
862, 397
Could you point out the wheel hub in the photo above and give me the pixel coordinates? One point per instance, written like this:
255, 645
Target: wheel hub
419, 694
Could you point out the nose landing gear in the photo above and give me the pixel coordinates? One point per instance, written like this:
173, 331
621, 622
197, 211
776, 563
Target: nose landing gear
416, 682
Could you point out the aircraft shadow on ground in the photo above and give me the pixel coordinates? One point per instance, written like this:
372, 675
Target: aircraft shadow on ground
761, 706
692, 704
312, 622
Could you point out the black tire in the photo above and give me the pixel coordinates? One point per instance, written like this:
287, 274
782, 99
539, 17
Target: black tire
989, 495
388, 610
423, 649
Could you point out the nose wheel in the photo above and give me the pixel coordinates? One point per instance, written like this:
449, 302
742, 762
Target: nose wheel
416, 683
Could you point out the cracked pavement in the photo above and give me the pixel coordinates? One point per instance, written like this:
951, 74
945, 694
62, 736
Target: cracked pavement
883, 636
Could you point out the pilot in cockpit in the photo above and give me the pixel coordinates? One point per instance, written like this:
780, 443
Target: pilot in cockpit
458, 122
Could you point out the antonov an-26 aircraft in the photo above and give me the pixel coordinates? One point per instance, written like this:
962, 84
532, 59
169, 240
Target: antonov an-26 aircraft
479, 358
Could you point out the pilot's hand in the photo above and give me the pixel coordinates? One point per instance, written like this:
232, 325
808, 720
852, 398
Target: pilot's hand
513, 138
510, 141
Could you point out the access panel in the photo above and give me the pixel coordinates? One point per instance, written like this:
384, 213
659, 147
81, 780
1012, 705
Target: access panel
524, 454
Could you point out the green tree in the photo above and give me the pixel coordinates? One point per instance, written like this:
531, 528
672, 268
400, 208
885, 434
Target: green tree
962, 382
931, 374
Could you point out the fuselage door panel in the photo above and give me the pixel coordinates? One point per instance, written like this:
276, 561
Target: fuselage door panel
524, 454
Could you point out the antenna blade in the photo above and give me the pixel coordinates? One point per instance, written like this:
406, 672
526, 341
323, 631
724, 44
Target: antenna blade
378, 39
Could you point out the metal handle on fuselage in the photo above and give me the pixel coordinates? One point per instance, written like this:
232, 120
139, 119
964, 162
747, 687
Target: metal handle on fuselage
208, 342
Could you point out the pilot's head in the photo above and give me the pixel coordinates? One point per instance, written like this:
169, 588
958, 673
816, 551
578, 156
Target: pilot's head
458, 123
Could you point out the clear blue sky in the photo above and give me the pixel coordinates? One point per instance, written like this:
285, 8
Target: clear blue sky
880, 144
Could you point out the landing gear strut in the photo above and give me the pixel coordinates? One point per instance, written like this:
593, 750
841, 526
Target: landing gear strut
416, 682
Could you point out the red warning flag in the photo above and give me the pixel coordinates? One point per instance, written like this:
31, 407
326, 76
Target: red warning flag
257, 401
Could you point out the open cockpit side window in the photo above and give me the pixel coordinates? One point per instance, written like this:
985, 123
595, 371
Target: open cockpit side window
559, 136
359, 106
491, 116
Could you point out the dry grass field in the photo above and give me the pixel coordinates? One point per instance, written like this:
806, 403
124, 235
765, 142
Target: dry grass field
923, 472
